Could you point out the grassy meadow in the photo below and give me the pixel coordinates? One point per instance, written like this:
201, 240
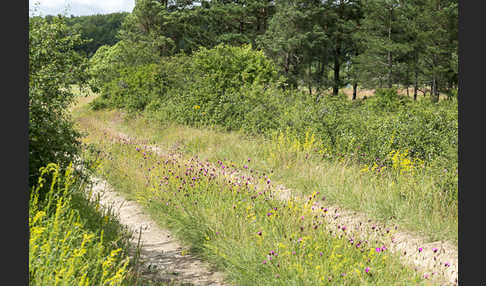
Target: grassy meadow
222, 111
246, 232
406, 198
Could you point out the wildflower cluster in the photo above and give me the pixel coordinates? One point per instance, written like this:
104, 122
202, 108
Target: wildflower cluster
401, 162
62, 251
287, 145
231, 214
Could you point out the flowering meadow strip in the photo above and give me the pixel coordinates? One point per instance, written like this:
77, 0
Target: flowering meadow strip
301, 164
295, 165
238, 225
62, 250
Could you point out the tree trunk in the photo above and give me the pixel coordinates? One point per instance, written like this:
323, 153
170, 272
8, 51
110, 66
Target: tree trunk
310, 79
355, 89
265, 16
435, 89
322, 69
337, 67
287, 64
390, 63
415, 88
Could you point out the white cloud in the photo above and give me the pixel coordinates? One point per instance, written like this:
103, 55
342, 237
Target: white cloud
82, 7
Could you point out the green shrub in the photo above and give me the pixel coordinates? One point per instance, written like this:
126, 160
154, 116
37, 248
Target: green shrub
237, 88
386, 100
54, 66
99, 103
225, 86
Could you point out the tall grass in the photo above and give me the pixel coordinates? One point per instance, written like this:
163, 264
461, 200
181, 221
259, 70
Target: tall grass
74, 240
62, 250
404, 194
254, 238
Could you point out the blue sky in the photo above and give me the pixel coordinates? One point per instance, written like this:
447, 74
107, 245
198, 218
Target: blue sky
80, 7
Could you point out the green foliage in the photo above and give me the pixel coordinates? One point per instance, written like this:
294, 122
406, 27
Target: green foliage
219, 90
230, 67
386, 100
237, 88
99, 30
319, 44
54, 66
108, 61
233, 87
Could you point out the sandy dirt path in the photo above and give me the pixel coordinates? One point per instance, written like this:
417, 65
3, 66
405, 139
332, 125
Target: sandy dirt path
161, 256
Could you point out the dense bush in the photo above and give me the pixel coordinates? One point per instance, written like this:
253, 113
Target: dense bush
233, 87
221, 88
237, 88
53, 67
386, 100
